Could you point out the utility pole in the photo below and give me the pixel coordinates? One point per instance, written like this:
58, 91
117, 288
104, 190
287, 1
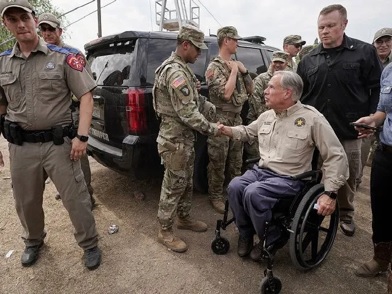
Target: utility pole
99, 18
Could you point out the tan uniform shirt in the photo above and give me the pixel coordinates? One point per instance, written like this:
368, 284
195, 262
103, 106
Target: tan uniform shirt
287, 141
38, 89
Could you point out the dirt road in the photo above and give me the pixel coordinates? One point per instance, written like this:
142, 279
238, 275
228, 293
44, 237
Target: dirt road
133, 261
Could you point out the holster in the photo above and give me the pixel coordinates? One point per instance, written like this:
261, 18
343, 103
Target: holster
58, 135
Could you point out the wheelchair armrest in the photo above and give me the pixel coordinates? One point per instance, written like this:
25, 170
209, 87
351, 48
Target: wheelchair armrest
308, 174
252, 160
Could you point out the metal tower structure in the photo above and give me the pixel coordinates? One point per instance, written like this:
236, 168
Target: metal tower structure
172, 16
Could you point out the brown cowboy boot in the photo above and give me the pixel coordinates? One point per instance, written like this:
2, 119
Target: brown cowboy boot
167, 238
379, 263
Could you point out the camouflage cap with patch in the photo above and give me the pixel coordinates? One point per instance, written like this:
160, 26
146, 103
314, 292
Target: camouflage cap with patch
229, 32
280, 56
293, 40
49, 19
382, 33
22, 4
193, 34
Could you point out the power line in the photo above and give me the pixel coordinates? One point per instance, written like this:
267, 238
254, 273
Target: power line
209, 12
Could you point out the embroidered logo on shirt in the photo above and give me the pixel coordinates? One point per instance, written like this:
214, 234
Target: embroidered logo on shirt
300, 122
50, 65
184, 90
74, 62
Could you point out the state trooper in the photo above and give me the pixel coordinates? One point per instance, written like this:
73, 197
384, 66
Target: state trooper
51, 31
177, 103
288, 134
36, 81
256, 100
229, 85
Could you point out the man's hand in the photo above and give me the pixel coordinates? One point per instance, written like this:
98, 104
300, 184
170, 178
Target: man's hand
225, 130
326, 205
198, 86
365, 132
78, 149
1, 160
233, 66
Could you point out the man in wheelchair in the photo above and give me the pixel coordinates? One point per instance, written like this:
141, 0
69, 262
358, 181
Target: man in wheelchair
288, 134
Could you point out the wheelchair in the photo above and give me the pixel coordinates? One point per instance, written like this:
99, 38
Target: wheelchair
294, 221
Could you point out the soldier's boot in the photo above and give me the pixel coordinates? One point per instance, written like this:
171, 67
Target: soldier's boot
218, 205
167, 238
379, 263
190, 224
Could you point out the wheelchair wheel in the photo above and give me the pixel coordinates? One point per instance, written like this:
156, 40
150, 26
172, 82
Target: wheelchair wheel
220, 246
270, 285
313, 235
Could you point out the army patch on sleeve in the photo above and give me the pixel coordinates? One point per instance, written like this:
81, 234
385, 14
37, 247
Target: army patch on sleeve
74, 62
178, 82
300, 122
185, 90
81, 59
209, 73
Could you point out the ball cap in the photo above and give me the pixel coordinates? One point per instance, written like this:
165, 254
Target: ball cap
49, 19
293, 40
229, 32
280, 56
192, 34
382, 33
23, 4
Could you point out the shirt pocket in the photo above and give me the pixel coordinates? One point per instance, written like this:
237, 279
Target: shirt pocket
350, 72
386, 98
50, 83
12, 90
264, 135
296, 140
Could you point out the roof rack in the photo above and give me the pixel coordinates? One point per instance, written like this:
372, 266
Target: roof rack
255, 39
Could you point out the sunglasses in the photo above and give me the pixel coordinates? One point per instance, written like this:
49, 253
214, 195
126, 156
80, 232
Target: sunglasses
297, 45
48, 28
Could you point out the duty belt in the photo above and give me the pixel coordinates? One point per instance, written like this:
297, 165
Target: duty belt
16, 135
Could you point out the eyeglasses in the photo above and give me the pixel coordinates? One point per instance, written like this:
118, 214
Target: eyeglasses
48, 28
297, 45
385, 40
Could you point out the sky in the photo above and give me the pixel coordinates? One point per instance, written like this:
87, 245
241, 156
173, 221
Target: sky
273, 19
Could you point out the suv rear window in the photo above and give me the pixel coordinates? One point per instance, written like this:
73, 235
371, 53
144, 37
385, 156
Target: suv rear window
252, 59
111, 66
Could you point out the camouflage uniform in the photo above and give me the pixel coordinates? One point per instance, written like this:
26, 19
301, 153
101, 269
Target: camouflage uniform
222, 150
177, 102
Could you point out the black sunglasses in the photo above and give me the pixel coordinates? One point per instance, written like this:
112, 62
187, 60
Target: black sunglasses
297, 45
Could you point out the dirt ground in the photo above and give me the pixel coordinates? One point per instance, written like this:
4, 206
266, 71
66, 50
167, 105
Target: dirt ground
133, 261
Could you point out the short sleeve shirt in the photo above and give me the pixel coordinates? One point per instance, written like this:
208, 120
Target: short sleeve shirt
37, 89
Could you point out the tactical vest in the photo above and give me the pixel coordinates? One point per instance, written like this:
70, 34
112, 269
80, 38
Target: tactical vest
239, 96
161, 97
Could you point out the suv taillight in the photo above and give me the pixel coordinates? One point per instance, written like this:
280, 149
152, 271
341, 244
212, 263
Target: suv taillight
136, 113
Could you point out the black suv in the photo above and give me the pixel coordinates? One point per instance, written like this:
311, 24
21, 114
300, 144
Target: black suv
124, 126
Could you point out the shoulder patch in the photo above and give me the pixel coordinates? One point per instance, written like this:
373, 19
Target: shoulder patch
6, 53
74, 62
209, 73
178, 82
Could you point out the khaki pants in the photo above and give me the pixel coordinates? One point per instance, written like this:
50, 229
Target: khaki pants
30, 163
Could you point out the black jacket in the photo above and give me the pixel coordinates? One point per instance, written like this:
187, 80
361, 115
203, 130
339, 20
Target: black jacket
344, 85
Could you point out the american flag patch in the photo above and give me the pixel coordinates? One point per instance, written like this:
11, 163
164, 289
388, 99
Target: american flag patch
178, 82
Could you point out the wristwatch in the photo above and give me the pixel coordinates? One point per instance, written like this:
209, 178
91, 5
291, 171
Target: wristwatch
332, 195
82, 138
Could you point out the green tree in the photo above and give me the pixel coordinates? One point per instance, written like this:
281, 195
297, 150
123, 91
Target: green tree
41, 6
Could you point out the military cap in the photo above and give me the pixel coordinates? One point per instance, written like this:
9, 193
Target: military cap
382, 33
280, 56
193, 34
23, 4
229, 32
294, 40
49, 19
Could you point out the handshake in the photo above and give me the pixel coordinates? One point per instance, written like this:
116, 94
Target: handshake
223, 130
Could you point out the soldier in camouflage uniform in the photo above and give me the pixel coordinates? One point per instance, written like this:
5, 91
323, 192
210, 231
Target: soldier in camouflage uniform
256, 100
292, 44
177, 103
229, 85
